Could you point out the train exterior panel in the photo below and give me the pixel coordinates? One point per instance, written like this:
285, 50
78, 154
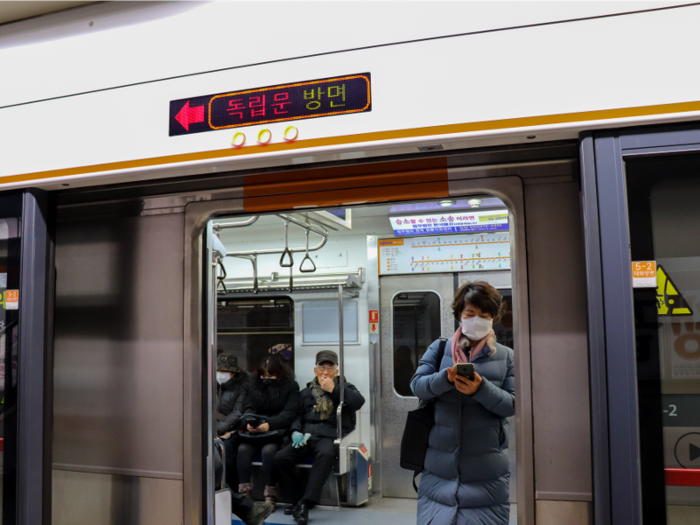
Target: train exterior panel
489, 87
116, 176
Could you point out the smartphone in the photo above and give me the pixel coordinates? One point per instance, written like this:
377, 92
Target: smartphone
466, 370
253, 422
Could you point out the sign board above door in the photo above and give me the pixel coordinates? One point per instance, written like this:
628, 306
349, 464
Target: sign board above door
266, 105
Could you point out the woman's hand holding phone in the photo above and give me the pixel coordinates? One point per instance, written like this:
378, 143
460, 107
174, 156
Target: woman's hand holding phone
464, 384
262, 428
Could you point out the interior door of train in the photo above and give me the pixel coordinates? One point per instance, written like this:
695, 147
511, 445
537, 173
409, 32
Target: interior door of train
415, 310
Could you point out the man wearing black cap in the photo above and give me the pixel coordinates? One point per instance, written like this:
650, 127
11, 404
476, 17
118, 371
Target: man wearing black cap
313, 433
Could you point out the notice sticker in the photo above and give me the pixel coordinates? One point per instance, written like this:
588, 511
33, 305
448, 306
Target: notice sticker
12, 300
374, 321
644, 274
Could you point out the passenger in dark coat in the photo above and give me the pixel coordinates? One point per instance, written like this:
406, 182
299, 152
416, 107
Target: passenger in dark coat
465, 481
274, 397
313, 433
232, 394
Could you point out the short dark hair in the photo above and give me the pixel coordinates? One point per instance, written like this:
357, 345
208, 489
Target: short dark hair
481, 295
274, 366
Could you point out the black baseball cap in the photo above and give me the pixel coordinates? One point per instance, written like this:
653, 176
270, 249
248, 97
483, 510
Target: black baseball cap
327, 356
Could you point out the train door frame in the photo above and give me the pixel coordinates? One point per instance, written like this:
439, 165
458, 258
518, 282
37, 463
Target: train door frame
460, 182
614, 401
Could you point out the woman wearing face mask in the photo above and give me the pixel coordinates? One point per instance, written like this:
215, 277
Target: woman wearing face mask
231, 398
274, 397
466, 474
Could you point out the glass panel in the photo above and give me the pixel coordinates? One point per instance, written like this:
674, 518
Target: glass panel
252, 329
10, 210
321, 322
416, 324
664, 216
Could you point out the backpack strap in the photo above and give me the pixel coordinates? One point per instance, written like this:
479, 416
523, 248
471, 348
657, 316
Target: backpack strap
441, 353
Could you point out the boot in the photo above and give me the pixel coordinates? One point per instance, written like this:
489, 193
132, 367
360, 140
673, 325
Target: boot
245, 489
301, 514
271, 496
292, 508
257, 515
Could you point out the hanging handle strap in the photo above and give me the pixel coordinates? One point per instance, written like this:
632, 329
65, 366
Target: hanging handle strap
287, 251
307, 258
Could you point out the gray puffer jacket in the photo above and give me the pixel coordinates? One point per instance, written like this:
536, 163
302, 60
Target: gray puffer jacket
465, 481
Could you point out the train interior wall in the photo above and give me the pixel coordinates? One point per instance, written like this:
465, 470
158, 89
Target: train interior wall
120, 353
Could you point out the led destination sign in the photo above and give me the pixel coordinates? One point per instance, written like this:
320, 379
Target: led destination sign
301, 100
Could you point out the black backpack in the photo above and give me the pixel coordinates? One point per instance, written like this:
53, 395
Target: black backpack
414, 443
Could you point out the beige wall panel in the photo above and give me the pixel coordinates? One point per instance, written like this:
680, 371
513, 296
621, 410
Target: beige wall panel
81, 498
564, 513
560, 388
118, 374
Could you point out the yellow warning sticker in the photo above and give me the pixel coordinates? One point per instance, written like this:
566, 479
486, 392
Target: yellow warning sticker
669, 301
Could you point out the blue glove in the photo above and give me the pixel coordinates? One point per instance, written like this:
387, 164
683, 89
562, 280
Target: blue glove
306, 438
297, 438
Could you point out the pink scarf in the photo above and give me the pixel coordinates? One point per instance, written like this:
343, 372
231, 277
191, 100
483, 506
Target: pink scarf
458, 355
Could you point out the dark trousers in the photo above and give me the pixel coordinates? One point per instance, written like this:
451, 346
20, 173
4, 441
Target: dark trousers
231, 448
290, 480
246, 451
240, 505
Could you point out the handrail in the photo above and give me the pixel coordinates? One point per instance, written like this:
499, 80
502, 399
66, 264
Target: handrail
254, 260
341, 362
273, 251
218, 226
303, 225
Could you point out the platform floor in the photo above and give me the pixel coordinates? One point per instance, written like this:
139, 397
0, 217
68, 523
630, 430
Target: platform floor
379, 511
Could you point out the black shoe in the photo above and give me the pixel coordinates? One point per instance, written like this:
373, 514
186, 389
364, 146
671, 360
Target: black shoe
290, 510
258, 513
301, 514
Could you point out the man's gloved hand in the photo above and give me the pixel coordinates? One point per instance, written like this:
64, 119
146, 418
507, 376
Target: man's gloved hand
297, 438
305, 440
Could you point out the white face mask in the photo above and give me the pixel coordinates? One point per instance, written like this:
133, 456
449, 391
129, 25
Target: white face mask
476, 328
222, 377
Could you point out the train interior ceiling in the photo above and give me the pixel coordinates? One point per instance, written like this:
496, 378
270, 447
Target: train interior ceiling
394, 268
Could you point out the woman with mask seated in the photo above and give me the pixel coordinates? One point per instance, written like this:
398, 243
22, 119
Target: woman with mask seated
231, 398
273, 403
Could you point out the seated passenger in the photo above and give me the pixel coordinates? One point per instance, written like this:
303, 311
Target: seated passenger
313, 433
231, 399
273, 399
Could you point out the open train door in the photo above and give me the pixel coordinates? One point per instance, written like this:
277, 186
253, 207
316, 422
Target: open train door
641, 191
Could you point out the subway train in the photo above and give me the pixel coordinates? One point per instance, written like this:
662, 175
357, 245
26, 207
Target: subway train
324, 186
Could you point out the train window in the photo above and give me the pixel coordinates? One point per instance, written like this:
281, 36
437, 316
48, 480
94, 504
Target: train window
252, 329
664, 218
320, 322
416, 324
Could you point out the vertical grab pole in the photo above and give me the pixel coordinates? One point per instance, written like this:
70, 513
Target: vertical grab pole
341, 363
209, 378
